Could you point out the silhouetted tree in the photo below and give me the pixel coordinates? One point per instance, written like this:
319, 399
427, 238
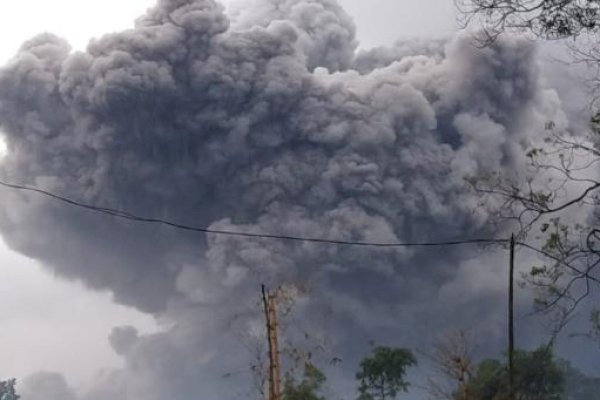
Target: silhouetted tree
550, 19
558, 183
7, 390
561, 178
538, 377
382, 375
452, 357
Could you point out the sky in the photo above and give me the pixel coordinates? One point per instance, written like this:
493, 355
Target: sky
162, 298
381, 22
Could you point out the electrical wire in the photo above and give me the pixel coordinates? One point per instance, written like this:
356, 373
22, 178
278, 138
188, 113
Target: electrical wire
133, 217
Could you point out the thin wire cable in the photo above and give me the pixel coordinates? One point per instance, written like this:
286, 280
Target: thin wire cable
133, 217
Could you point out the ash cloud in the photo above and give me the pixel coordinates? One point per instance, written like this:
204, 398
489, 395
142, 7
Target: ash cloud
265, 120
46, 385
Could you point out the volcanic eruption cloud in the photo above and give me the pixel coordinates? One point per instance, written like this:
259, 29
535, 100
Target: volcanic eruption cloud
266, 119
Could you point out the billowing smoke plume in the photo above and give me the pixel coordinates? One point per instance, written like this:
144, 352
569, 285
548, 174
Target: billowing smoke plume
265, 121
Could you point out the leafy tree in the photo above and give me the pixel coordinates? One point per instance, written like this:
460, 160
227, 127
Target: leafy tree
489, 381
382, 375
308, 388
538, 377
7, 390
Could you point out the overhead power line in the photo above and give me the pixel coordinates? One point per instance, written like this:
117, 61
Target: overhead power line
134, 217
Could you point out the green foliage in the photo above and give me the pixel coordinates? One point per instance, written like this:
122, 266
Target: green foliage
381, 375
538, 376
308, 388
488, 382
7, 390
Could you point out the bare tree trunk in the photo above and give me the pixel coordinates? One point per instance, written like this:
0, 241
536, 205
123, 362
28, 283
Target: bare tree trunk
270, 306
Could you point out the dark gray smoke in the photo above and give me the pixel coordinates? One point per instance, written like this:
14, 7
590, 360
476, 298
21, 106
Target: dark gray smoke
270, 122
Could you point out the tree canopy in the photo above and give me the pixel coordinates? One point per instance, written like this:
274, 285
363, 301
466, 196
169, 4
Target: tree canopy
538, 377
382, 375
8, 391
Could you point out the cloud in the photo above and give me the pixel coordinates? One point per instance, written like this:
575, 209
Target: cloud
268, 122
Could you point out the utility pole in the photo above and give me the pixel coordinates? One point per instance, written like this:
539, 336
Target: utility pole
511, 320
270, 307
